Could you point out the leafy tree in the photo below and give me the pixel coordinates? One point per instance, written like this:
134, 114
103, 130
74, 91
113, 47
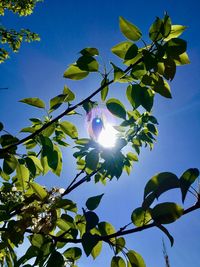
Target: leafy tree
58, 230
11, 39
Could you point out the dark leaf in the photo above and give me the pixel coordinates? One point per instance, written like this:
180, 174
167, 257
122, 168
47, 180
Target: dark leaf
166, 212
186, 180
93, 202
116, 108
89, 241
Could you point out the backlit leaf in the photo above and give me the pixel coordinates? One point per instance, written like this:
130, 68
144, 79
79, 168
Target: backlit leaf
89, 51
73, 72
129, 30
161, 183
135, 259
69, 129
121, 49
155, 33
73, 253
186, 180
34, 101
9, 164
117, 261
140, 216
116, 108
166, 212
87, 63
38, 190
22, 174
176, 31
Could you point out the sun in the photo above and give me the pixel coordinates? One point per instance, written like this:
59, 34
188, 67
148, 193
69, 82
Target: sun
108, 136
100, 127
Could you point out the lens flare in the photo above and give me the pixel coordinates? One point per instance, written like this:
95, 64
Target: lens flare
108, 136
99, 123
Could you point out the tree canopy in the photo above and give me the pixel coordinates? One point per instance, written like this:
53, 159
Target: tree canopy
58, 230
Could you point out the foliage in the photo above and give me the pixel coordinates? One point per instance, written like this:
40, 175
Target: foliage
11, 39
51, 221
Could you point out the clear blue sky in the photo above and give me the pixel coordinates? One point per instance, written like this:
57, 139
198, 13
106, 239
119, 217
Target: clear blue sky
65, 28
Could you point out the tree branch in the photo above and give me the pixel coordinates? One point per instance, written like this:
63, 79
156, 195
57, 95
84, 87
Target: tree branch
68, 110
72, 186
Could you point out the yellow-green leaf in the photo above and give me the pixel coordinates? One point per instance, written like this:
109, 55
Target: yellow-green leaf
73, 72
129, 30
34, 101
38, 190
69, 129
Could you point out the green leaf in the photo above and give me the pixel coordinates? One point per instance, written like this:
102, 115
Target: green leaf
56, 102
56, 258
161, 183
155, 33
37, 240
117, 261
135, 259
166, 29
118, 73
69, 95
73, 72
138, 71
140, 217
93, 202
129, 30
186, 180
62, 224
181, 59
167, 212
96, 250
120, 244
91, 220
116, 108
92, 159
175, 47
106, 228
69, 129
58, 169
73, 253
104, 92
34, 101
162, 87
89, 241
170, 69
87, 63
90, 51
38, 190
176, 31
22, 174
37, 163
147, 99
9, 164
132, 156
121, 49
131, 52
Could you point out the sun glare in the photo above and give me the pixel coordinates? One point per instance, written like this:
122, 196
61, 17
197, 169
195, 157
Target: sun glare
108, 136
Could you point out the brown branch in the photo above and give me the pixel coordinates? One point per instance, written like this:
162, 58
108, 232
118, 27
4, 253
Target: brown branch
106, 238
68, 110
122, 232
